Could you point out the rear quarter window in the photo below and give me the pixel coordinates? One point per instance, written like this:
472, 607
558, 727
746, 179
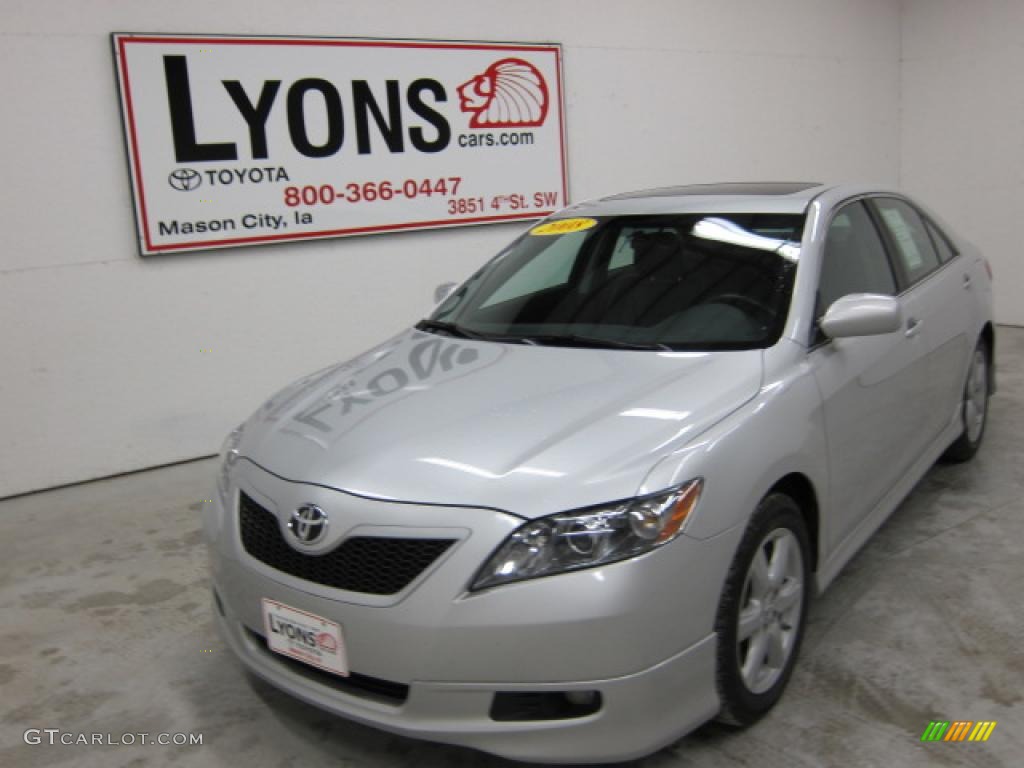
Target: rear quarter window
942, 244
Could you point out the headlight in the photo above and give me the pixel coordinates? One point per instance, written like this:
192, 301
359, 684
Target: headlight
569, 541
228, 457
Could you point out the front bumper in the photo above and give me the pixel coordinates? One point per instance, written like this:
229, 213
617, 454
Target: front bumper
639, 632
641, 712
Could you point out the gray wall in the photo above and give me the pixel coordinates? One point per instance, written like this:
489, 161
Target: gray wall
100, 350
962, 131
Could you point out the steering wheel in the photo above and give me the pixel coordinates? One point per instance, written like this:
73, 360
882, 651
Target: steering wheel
747, 305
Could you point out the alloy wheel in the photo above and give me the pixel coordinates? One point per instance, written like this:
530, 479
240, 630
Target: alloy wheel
976, 396
770, 608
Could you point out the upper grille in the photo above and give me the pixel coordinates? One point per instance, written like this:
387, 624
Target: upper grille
376, 565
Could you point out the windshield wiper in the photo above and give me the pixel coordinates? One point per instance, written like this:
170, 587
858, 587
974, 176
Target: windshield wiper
570, 340
462, 332
573, 340
450, 328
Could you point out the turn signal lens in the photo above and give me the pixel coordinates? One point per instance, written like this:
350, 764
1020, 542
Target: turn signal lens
681, 510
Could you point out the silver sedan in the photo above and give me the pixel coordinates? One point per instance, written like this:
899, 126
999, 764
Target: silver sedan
582, 508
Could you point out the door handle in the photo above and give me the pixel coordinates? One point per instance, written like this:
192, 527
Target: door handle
967, 281
913, 326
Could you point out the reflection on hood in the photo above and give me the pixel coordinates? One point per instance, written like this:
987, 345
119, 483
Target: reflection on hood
530, 429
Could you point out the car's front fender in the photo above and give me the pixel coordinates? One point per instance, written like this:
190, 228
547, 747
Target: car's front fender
779, 432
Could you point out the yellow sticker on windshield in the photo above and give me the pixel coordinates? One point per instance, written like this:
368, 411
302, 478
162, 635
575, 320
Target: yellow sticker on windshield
563, 226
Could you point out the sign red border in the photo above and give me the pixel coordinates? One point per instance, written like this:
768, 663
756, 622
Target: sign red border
122, 39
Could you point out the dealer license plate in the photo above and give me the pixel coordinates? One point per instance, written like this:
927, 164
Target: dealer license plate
305, 636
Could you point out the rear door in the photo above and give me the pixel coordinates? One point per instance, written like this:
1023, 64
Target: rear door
867, 384
934, 282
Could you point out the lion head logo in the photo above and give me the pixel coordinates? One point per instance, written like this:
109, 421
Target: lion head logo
326, 642
511, 92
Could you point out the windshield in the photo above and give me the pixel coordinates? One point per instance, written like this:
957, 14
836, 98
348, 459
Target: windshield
678, 281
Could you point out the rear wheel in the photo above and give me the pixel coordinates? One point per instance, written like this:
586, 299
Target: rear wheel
975, 407
763, 610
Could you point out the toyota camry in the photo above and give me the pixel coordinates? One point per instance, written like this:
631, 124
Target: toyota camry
582, 507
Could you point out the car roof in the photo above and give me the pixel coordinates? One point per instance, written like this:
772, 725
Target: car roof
731, 197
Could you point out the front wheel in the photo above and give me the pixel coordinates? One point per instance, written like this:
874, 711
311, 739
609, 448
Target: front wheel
762, 612
975, 407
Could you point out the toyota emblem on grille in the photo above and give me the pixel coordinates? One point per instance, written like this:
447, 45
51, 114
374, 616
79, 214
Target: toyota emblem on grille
308, 524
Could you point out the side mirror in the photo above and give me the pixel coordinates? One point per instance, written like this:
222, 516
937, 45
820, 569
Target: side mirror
862, 314
443, 291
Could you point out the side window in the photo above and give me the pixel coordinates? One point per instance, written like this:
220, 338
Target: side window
622, 255
854, 260
942, 245
549, 268
624, 252
914, 248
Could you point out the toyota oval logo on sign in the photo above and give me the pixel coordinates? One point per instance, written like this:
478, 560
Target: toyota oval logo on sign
184, 179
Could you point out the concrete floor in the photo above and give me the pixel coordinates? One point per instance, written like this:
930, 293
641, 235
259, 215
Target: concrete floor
105, 627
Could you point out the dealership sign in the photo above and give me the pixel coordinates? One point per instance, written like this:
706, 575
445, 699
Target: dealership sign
247, 140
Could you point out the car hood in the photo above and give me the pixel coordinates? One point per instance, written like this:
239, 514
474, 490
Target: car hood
527, 429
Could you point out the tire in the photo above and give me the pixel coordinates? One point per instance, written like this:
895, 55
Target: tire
974, 409
749, 680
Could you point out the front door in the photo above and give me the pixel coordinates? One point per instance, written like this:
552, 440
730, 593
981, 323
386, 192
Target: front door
867, 384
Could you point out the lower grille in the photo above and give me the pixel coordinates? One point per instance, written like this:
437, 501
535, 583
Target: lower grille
544, 705
376, 565
355, 684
